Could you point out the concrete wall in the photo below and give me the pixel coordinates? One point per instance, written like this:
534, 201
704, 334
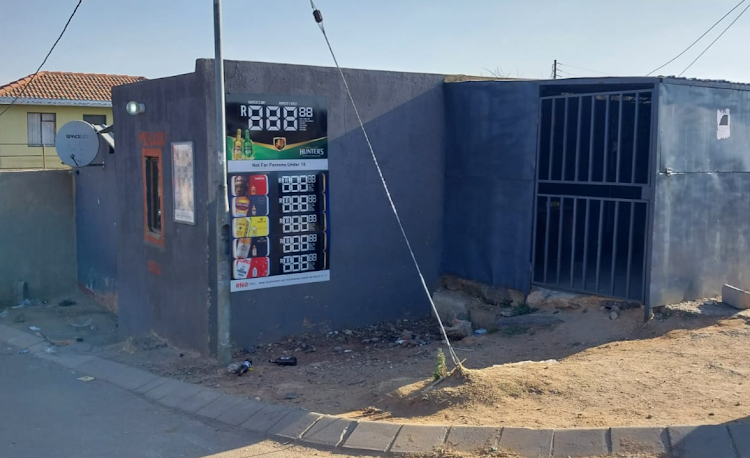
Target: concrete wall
162, 289
14, 150
701, 208
97, 211
372, 275
37, 234
490, 167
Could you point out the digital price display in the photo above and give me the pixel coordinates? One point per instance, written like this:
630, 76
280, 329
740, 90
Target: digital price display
291, 184
303, 263
277, 158
302, 243
268, 127
276, 118
302, 203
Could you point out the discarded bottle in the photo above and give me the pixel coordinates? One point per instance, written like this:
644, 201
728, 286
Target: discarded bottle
284, 361
246, 366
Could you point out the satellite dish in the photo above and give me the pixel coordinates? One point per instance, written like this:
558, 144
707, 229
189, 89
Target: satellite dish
77, 143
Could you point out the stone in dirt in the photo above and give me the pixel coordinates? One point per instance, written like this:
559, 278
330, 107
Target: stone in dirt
542, 297
484, 317
735, 297
459, 330
490, 294
451, 305
613, 315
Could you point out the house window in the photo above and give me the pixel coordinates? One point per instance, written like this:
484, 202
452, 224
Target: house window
153, 200
40, 129
97, 120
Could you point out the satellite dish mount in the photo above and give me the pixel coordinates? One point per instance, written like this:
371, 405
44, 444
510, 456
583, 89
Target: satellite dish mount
77, 144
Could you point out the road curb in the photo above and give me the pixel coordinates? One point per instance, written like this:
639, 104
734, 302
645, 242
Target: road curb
314, 429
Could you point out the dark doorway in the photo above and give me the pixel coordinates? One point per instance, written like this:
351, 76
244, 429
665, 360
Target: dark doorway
593, 194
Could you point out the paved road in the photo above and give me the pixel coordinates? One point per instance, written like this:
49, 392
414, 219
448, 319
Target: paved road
46, 412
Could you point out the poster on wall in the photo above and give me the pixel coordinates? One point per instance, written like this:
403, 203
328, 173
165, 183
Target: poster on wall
277, 163
184, 192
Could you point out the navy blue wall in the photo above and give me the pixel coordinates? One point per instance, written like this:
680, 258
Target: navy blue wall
490, 167
96, 209
372, 275
701, 209
162, 289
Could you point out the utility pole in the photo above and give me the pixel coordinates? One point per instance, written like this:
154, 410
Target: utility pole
223, 304
554, 70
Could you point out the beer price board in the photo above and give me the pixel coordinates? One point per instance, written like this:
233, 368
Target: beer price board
277, 163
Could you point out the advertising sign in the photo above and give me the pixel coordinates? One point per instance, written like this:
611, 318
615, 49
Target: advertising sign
184, 192
277, 163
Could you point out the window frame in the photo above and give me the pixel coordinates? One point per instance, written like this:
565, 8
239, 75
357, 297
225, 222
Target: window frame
42, 122
151, 235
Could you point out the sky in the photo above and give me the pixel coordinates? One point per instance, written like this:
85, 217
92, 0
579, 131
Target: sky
518, 38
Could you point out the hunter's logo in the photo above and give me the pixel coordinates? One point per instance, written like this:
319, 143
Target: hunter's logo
279, 143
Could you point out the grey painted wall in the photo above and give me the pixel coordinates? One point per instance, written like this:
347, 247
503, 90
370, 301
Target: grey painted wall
97, 210
372, 275
162, 289
701, 211
490, 167
37, 233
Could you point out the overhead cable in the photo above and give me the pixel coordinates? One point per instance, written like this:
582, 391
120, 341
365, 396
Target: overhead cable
715, 40
319, 19
696, 41
33, 76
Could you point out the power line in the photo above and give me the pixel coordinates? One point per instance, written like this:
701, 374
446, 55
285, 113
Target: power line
319, 19
699, 39
717, 39
23, 91
571, 74
586, 69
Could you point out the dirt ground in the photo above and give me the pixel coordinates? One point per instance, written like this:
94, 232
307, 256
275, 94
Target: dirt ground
688, 365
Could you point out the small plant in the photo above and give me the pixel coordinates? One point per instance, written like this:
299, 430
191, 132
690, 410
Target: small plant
523, 309
440, 368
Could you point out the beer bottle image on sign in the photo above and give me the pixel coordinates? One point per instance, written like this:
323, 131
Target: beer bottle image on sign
247, 150
237, 150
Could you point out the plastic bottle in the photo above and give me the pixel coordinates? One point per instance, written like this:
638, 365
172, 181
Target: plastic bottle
284, 361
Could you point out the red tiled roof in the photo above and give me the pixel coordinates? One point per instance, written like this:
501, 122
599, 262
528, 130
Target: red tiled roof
67, 86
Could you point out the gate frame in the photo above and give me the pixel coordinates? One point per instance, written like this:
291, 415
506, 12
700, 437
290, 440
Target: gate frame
654, 153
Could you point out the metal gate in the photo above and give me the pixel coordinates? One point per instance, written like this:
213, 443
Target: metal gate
593, 193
